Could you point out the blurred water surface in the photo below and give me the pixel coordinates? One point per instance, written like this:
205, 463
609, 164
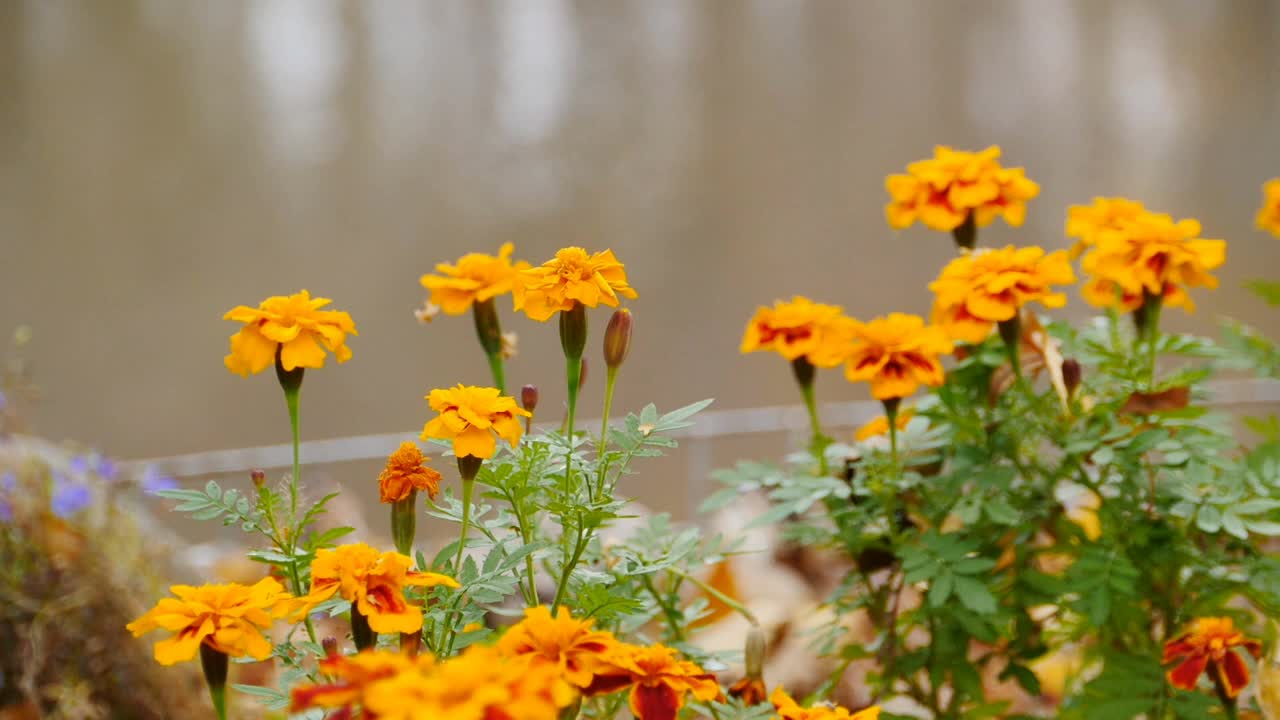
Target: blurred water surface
164, 160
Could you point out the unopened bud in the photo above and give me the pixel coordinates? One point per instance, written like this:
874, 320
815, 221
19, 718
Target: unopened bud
1072, 374
529, 397
258, 477
330, 645
617, 338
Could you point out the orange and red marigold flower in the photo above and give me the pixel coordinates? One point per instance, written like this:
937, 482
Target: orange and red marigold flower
374, 582
567, 644
658, 679
800, 328
1209, 646
405, 472
1268, 217
979, 289
293, 326
571, 277
1086, 223
944, 191
789, 709
879, 425
1150, 255
896, 354
471, 417
230, 619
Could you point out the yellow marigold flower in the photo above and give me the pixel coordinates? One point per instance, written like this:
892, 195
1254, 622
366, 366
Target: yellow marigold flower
350, 676
1087, 222
880, 425
944, 191
1269, 214
476, 277
479, 684
571, 277
295, 327
978, 289
406, 472
1209, 646
896, 354
228, 618
374, 582
471, 417
1151, 254
569, 645
659, 681
800, 328
789, 709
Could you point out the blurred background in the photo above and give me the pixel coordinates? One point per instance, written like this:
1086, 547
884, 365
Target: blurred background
164, 160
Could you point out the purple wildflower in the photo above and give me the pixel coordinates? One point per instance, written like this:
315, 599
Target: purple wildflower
154, 481
69, 498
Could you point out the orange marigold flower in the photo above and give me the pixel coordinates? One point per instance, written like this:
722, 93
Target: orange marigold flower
789, 709
374, 582
479, 684
896, 354
228, 618
659, 681
1208, 646
880, 425
1269, 214
471, 417
800, 328
571, 277
476, 277
406, 472
569, 645
1154, 255
978, 289
295, 327
750, 690
1087, 222
350, 676
944, 191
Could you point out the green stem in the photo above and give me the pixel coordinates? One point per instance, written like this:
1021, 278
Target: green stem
468, 484
669, 613
214, 664
891, 414
404, 521
611, 376
804, 372
1151, 305
733, 604
361, 634
573, 373
579, 546
291, 399
499, 377
966, 235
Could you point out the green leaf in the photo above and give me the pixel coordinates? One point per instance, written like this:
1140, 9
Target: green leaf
941, 588
1232, 524
212, 490
1267, 290
1001, 512
974, 595
1209, 519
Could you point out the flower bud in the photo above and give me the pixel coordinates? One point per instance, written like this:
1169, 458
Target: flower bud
757, 645
573, 331
617, 338
529, 397
1072, 374
258, 477
330, 645
488, 329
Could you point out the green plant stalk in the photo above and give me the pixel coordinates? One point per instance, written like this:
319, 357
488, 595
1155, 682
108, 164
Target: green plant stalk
495, 367
404, 522
573, 375
214, 665
1228, 702
610, 378
468, 485
291, 384
733, 604
966, 234
579, 545
804, 373
1151, 305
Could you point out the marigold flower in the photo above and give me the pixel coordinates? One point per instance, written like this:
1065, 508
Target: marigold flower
374, 582
569, 645
471, 417
350, 676
896, 354
1269, 214
789, 709
404, 473
1208, 646
295, 327
479, 684
228, 618
1087, 222
978, 289
659, 681
476, 277
1151, 255
879, 425
800, 328
571, 277
953, 186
